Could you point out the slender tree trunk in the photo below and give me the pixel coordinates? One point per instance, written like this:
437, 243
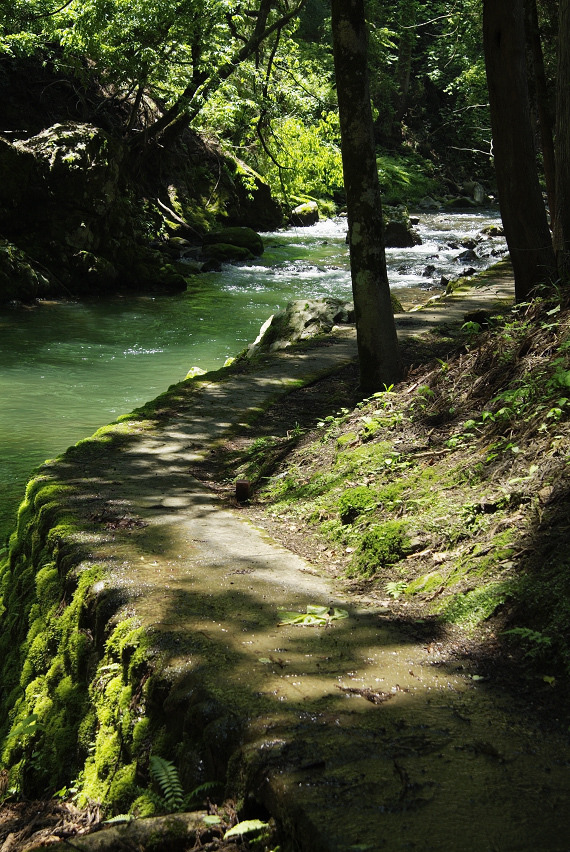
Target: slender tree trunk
522, 208
545, 119
375, 328
562, 217
405, 51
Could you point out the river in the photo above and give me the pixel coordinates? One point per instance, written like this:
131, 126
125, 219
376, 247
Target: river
68, 367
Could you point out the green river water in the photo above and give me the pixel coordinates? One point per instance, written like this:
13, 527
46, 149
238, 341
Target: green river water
67, 368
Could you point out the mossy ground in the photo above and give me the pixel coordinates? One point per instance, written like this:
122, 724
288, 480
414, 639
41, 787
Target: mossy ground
446, 496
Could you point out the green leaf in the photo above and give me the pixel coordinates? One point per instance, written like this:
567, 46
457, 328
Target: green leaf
212, 819
290, 617
119, 818
165, 773
248, 826
317, 610
26, 727
315, 615
339, 613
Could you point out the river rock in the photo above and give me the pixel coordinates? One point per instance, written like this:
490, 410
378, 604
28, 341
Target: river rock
238, 237
474, 190
305, 214
398, 231
398, 234
428, 203
493, 231
466, 256
226, 253
460, 202
301, 320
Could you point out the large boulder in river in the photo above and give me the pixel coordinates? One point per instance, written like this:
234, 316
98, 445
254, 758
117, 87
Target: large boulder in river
305, 214
398, 231
428, 203
225, 253
301, 320
240, 237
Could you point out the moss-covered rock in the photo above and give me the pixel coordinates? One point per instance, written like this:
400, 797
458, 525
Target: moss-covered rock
398, 231
301, 320
305, 214
226, 253
72, 208
239, 237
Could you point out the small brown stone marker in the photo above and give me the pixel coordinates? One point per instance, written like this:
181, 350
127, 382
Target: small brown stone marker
243, 489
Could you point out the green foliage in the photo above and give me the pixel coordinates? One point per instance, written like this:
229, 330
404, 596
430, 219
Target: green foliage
473, 607
307, 161
395, 588
165, 774
246, 827
404, 178
536, 644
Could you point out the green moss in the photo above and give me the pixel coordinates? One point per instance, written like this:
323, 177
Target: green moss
48, 656
381, 545
475, 606
346, 439
426, 583
353, 502
141, 737
391, 494
144, 805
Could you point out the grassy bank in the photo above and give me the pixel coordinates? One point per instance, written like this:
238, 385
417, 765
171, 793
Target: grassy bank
446, 496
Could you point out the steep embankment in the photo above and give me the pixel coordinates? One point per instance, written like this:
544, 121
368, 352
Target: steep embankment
86, 210
142, 618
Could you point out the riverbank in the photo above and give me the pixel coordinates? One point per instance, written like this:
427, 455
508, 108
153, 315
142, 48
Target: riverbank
117, 353
151, 598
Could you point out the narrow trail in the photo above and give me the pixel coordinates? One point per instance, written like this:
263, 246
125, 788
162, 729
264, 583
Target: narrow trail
355, 734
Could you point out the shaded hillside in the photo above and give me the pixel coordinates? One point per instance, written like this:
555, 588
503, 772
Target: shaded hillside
84, 210
447, 496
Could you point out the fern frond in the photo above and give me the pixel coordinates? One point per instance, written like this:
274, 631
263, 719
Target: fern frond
165, 773
197, 792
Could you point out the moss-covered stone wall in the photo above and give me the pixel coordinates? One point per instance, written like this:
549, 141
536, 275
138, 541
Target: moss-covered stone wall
75, 674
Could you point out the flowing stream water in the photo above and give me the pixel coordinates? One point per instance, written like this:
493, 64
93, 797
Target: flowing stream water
67, 368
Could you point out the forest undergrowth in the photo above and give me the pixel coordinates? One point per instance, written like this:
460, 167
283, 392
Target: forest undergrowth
445, 498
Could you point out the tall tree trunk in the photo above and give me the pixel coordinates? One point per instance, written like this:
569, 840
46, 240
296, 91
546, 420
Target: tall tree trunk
522, 208
375, 328
545, 119
562, 217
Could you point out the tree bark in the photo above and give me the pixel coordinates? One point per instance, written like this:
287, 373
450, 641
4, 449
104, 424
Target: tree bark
545, 119
562, 215
522, 208
375, 328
